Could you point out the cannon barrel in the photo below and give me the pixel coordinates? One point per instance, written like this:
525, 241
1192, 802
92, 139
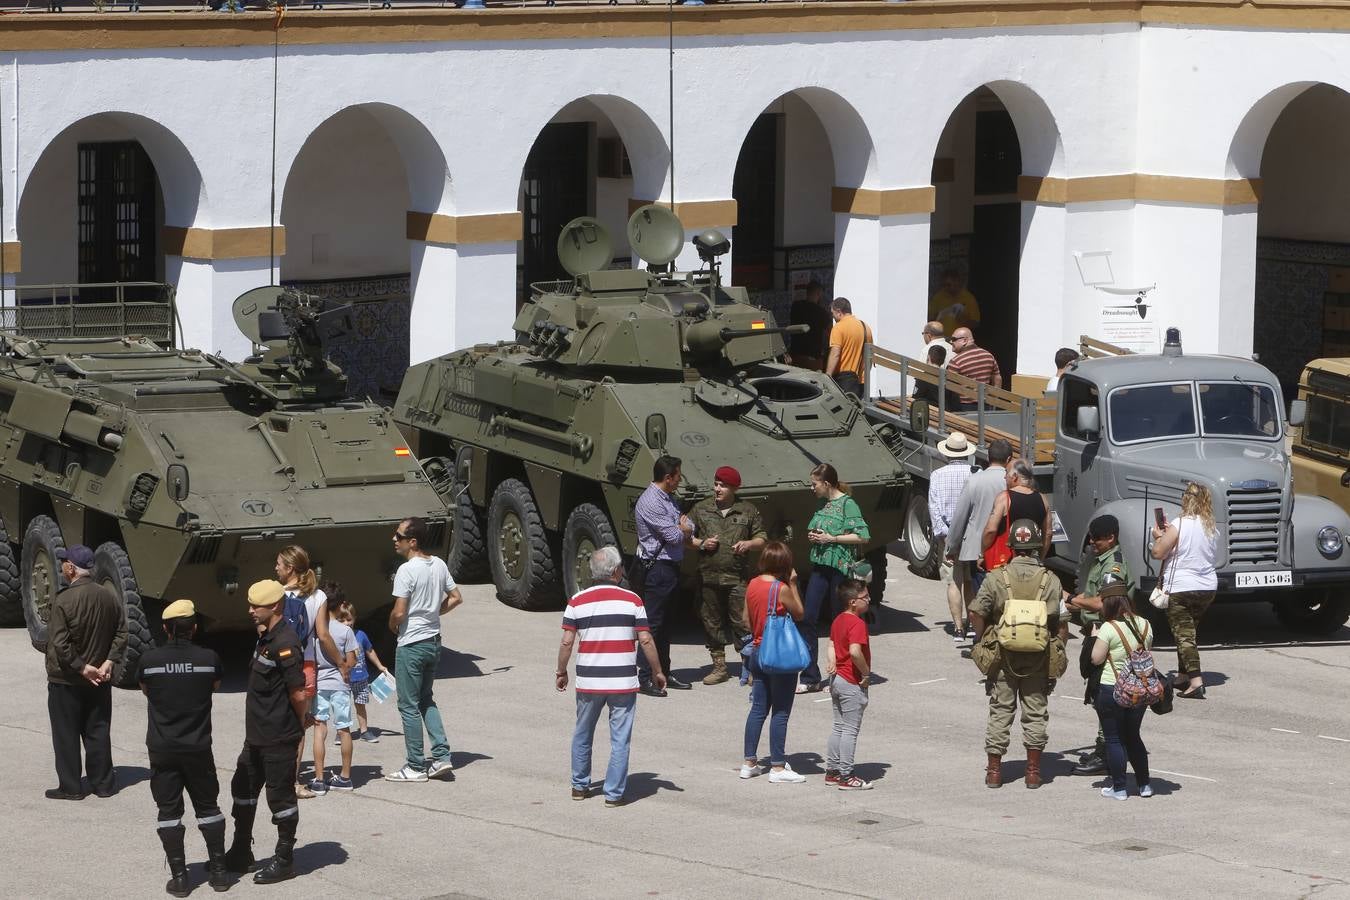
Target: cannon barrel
709, 337
730, 334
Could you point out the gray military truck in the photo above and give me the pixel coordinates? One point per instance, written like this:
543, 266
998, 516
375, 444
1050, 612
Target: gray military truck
1124, 435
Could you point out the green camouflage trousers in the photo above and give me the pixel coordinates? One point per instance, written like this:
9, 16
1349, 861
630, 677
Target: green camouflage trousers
1183, 614
1005, 692
723, 613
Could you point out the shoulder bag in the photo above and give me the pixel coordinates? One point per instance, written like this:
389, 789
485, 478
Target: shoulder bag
782, 651
999, 553
1161, 598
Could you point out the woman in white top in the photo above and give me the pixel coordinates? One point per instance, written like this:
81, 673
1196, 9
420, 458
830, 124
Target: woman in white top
1189, 544
294, 572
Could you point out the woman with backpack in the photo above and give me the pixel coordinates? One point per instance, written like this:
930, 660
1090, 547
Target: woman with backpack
295, 574
1128, 685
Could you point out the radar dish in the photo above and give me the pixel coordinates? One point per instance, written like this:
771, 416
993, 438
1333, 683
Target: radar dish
655, 234
584, 246
250, 305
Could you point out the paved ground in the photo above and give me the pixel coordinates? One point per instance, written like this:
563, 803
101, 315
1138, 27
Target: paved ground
1251, 786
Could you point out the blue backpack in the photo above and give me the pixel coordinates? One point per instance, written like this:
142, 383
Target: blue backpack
297, 616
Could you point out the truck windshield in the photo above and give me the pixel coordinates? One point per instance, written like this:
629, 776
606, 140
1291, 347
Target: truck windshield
1241, 409
1152, 411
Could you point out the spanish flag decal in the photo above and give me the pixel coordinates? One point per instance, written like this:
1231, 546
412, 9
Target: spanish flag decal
757, 325
402, 451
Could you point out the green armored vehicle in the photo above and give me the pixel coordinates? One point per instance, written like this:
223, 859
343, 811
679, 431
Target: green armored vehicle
188, 473
546, 442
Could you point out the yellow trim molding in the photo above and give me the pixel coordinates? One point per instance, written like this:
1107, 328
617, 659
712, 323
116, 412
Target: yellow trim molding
1140, 187
695, 214
13, 257
489, 228
894, 202
222, 243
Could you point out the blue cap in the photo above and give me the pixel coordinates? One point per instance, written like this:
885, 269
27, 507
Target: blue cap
80, 556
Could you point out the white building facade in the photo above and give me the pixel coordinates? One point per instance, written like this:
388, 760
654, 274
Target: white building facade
1062, 154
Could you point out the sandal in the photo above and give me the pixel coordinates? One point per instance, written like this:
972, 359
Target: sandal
1195, 693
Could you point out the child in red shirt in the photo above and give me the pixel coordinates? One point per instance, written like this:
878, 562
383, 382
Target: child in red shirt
850, 662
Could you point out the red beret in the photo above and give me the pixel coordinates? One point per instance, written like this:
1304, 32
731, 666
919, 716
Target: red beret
728, 475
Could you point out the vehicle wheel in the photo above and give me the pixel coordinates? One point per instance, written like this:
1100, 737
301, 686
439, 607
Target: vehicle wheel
1313, 611
112, 569
878, 559
519, 551
922, 550
468, 550
587, 530
11, 599
41, 579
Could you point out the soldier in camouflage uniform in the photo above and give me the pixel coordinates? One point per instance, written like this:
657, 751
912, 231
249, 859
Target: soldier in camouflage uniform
1106, 565
1020, 677
727, 532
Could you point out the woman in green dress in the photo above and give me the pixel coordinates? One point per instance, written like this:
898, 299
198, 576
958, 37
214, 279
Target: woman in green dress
836, 533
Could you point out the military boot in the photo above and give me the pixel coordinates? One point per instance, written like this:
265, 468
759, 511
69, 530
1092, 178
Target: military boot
1092, 764
719, 671
214, 834
172, 839
993, 775
1033, 778
282, 864
240, 856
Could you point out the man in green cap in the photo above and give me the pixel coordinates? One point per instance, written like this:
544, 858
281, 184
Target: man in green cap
1021, 602
178, 680
1105, 565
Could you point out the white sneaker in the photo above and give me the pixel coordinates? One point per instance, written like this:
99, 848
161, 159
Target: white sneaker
1146, 791
407, 774
1110, 794
749, 771
442, 769
785, 776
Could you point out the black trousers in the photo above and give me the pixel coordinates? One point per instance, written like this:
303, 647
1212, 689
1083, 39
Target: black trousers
272, 768
81, 714
656, 582
173, 773
849, 383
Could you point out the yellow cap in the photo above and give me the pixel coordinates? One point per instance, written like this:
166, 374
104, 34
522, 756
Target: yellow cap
179, 609
265, 593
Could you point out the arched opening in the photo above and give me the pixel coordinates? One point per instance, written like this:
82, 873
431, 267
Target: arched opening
976, 230
93, 207
345, 210
787, 237
592, 158
1302, 298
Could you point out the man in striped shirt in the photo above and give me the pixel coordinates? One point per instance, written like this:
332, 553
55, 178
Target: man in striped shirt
975, 362
605, 619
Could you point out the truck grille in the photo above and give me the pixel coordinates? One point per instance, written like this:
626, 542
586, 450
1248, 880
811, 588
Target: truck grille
1253, 527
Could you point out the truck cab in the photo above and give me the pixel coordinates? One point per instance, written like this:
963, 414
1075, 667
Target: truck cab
1321, 446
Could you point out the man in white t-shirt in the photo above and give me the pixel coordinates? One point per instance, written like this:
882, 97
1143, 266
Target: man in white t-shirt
333, 702
423, 592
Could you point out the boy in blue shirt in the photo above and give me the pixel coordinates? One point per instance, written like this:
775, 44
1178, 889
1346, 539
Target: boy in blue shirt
360, 675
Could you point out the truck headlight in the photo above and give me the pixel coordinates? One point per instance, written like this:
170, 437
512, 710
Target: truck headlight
1329, 541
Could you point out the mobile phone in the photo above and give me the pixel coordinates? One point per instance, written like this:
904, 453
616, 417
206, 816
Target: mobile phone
1159, 517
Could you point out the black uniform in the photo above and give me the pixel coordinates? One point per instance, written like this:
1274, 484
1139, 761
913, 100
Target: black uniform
179, 679
272, 731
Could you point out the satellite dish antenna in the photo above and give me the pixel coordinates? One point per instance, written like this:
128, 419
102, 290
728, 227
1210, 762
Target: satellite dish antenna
249, 308
584, 246
656, 235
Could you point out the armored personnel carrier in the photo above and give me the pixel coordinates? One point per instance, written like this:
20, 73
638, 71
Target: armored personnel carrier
187, 473
546, 442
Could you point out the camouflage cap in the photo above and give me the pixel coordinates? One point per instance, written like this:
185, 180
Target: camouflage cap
1115, 588
1024, 534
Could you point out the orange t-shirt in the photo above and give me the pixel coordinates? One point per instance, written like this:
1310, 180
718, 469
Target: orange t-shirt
849, 334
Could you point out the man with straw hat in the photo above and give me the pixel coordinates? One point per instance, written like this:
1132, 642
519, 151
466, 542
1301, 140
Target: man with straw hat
944, 489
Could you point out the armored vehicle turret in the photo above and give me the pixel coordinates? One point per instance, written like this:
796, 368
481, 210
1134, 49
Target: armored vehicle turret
188, 473
546, 441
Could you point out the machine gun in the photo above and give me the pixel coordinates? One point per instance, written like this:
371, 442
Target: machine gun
292, 333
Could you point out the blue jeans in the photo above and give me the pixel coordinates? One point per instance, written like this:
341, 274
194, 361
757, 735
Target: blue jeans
769, 693
1121, 728
414, 675
823, 586
621, 710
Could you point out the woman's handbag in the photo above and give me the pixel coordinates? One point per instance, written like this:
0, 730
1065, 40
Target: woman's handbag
1160, 598
999, 553
781, 648
1164, 706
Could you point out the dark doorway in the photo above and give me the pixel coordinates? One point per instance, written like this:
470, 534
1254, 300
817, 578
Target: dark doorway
995, 247
755, 189
556, 188
117, 228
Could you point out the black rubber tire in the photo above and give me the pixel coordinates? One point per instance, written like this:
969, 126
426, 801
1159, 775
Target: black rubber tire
112, 569
879, 560
924, 558
11, 598
520, 551
468, 557
588, 529
41, 579
1313, 611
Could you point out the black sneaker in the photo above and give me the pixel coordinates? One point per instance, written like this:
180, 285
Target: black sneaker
1091, 764
651, 690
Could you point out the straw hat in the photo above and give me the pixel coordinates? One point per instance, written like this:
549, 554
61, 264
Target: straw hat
956, 446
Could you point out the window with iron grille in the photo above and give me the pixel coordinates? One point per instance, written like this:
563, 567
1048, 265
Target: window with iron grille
117, 234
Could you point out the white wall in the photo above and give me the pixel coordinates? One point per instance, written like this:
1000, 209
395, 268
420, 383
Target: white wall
807, 176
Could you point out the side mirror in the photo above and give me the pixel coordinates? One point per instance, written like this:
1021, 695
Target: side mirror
656, 432
1298, 413
1089, 420
918, 416
178, 483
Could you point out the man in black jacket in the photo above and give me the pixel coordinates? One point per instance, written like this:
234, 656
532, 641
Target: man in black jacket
178, 680
86, 636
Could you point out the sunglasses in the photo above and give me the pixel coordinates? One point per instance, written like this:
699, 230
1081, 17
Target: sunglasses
400, 536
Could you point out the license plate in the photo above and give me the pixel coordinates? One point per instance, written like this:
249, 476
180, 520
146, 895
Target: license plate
1264, 579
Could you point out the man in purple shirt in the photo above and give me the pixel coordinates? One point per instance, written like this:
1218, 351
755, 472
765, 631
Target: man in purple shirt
662, 533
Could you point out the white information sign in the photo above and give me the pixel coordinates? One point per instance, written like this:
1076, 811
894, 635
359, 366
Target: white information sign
1123, 326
